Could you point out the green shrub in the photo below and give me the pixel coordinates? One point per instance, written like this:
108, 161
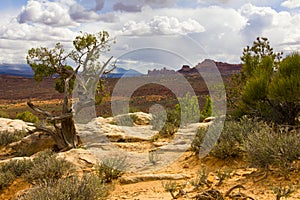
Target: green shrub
198, 140
46, 167
273, 147
188, 107
166, 123
17, 167
9, 171
158, 120
6, 179
111, 168
27, 117
3, 114
208, 109
89, 187
7, 137
230, 142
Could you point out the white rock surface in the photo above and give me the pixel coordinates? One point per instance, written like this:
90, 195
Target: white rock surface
12, 125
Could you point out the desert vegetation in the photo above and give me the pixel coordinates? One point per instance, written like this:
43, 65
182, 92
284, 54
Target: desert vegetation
260, 133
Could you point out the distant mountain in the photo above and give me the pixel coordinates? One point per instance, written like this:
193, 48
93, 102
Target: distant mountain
206, 66
121, 72
25, 70
16, 70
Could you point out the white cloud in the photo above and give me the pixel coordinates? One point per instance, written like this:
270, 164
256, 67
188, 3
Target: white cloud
291, 4
162, 25
46, 12
258, 19
37, 32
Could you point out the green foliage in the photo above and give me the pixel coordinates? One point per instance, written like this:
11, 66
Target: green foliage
6, 179
267, 86
171, 187
46, 167
7, 137
27, 116
269, 146
284, 89
88, 187
9, 171
47, 62
208, 108
222, 175
111, 168
189, 109
198, 140
231, 141
60, 82
201, 179
3, 114
166, 122
282, 191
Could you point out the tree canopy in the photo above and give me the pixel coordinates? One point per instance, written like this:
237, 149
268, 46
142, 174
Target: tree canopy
268, 86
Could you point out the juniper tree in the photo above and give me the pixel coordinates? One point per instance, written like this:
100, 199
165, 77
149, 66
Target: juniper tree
56, 62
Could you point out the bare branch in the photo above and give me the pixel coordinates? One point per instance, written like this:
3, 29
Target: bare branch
39, 110
104, 67
61, 117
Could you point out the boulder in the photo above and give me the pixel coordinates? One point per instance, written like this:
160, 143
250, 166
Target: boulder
130, 119
12, 125
33, 143
81, 159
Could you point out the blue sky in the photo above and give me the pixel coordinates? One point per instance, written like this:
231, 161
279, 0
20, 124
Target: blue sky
188, 31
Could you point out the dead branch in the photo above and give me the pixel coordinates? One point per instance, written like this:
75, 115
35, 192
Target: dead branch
39, 110
227, 194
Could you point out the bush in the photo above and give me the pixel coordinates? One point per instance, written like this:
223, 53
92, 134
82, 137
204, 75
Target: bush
46, 167
273, 147
27, 117
111, 168
231, 141
7, 137
3, 114
6, 179
11, 170
198, 140
188, 107
208, 109
89, 187
166, 123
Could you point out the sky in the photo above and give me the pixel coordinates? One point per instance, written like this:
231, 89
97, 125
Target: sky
151, 33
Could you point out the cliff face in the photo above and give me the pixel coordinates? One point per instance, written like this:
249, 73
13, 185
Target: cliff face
163, 71
205, 66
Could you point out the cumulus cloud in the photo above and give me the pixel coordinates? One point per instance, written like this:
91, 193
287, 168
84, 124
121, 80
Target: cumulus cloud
137, 5
291, 4
162, 25
258, 19
46, 12
24, 31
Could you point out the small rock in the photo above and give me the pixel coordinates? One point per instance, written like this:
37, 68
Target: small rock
211, 178
209, 119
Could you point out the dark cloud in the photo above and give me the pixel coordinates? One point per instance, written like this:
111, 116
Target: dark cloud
99, 5
137, 5
128, 8
79, 14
